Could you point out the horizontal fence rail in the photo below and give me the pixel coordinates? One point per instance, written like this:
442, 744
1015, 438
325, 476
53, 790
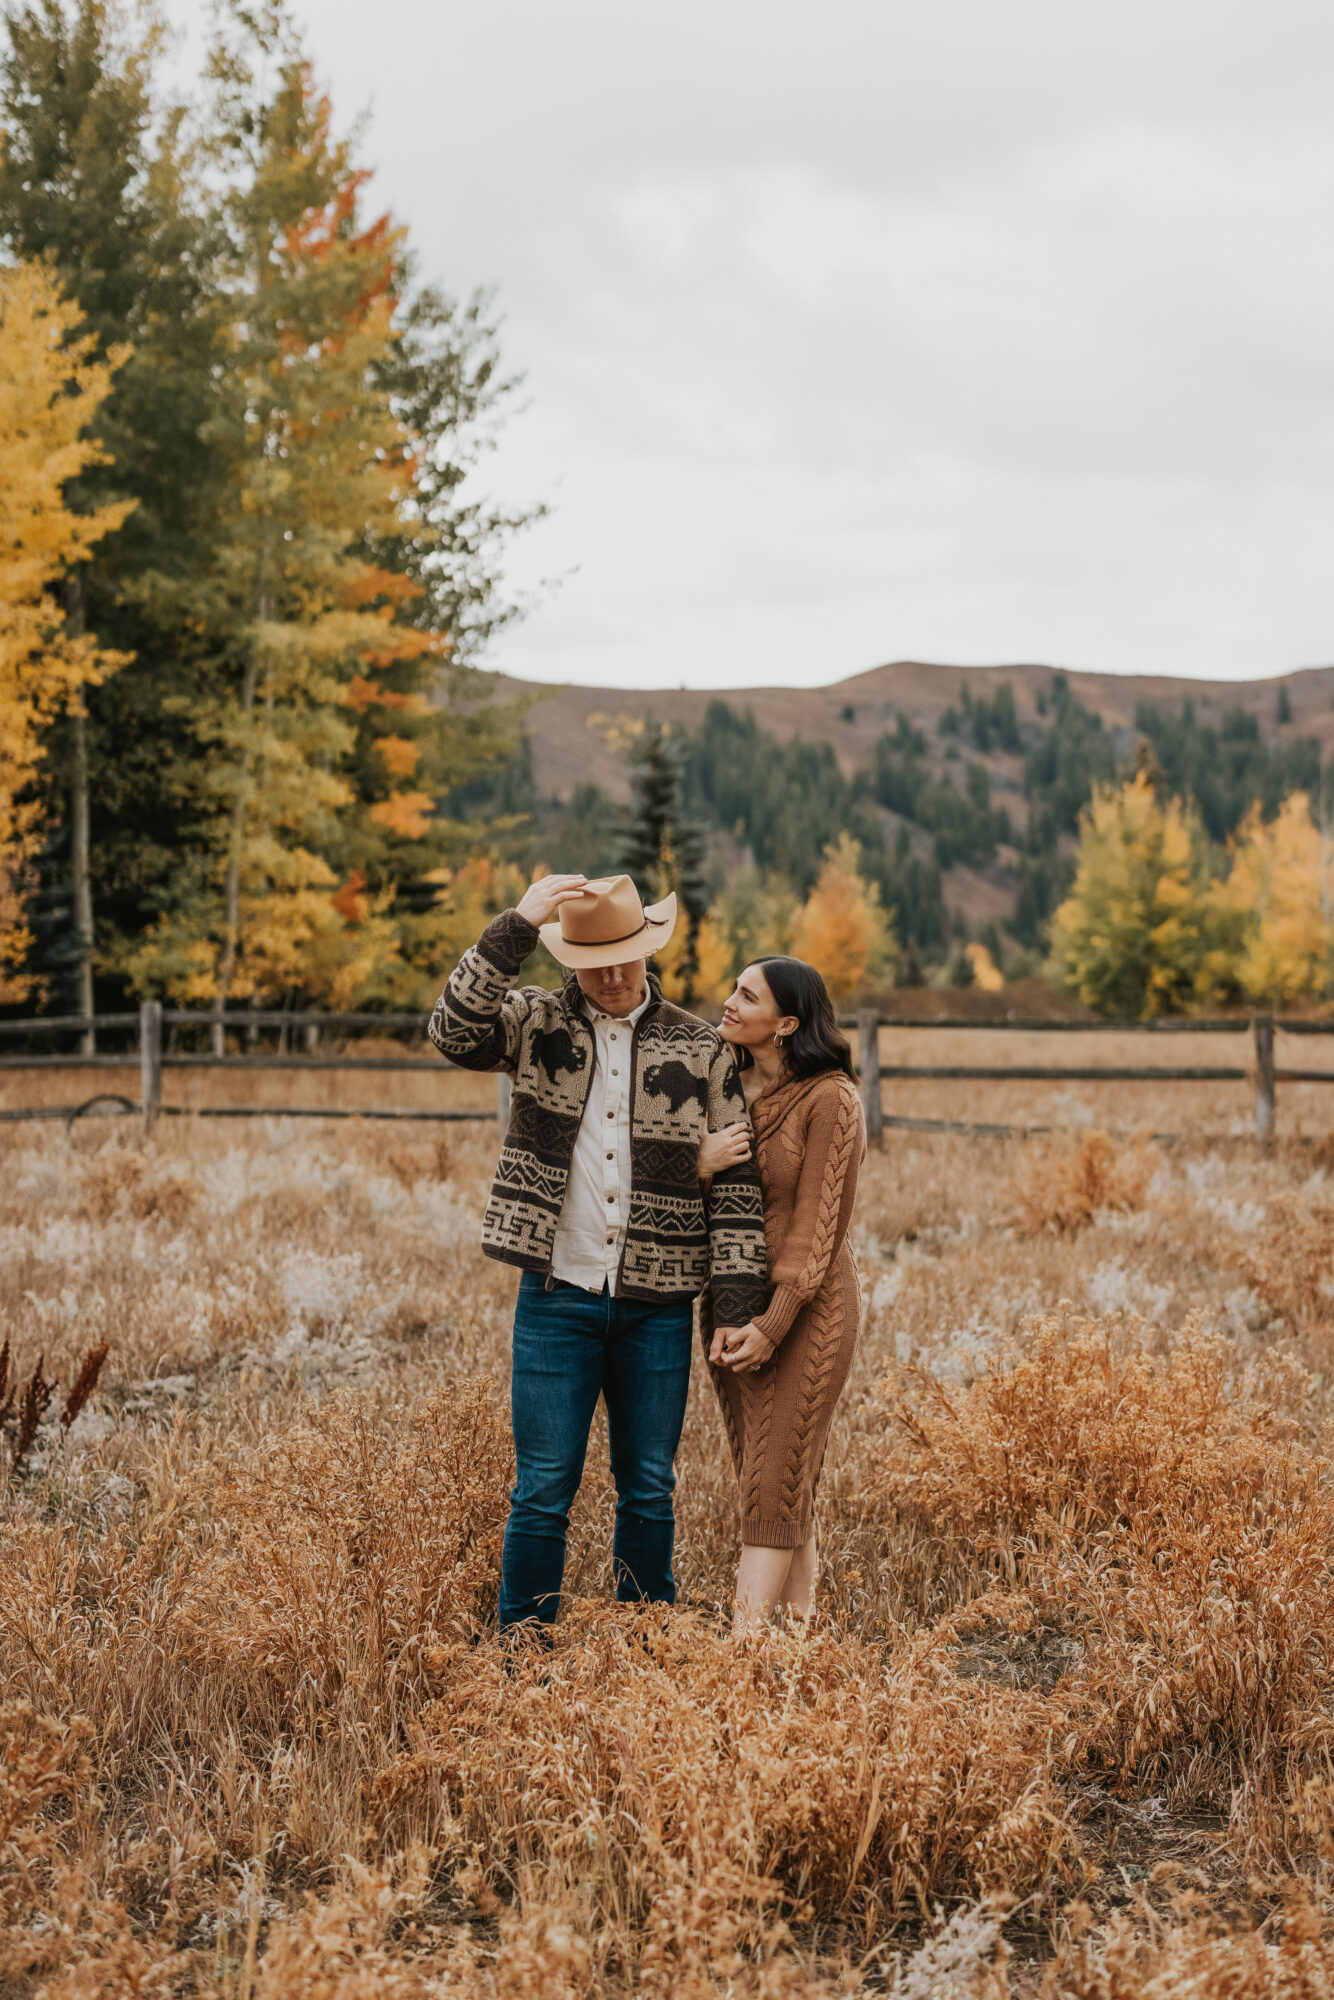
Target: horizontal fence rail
1061, 1024
1262, 1069
154, 1053
1089, 1073
151, 1059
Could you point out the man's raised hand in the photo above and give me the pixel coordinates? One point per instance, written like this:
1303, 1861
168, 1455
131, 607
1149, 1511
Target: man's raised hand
542, 899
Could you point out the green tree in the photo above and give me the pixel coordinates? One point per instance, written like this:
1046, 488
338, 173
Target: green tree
1074, 755
192, 252
319, 463
444, 375
1223, 769
661, 848
95, 180
756, 914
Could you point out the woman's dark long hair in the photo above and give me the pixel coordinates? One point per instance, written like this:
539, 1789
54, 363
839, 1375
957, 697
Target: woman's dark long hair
818, 1043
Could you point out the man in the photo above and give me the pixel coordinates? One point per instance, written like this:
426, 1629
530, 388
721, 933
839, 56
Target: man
598, 1201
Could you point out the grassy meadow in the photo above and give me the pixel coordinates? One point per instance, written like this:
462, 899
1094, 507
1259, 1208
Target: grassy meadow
1064, 1723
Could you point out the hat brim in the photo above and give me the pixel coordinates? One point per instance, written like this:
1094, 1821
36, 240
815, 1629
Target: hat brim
659, 923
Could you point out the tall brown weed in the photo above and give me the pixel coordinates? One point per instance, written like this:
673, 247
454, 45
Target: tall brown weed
1063, 1184
1163, 1511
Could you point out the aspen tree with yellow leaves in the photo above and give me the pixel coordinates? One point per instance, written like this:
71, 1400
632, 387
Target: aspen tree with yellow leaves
51, 389
1275, 907
987, 975
291, 720
1134, 935
842, 930
321, 463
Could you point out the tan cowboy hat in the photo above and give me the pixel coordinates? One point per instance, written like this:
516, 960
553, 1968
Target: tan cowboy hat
608, 925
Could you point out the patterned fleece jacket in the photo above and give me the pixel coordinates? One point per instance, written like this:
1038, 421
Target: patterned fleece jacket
684, 1080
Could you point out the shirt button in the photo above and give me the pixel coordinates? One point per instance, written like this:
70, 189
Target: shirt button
611, 1239
611, 1197
611, 1114
611, 1156
616, 1072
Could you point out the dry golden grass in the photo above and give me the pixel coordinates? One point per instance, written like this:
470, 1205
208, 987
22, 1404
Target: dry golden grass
1062, 1725
1166, 1513
1065, 1183
1291, 1266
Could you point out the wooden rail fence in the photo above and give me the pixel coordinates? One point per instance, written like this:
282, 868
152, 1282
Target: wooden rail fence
151, 1058
1259, 1026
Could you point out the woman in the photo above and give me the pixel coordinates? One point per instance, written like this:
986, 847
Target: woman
779, 1377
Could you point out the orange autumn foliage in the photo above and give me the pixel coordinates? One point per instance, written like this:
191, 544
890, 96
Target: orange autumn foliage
842, 930
401, 756
408, 814
50, 392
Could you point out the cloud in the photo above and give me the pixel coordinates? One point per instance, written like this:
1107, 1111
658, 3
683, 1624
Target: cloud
876, 329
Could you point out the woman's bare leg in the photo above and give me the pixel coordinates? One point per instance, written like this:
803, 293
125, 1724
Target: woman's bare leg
798, 1593
761, 1581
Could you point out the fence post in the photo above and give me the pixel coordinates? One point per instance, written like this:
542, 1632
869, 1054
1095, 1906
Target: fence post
150, 1060
504, 1090
1263, 1028
868, 1061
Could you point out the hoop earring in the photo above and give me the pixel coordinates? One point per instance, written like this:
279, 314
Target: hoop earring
779, 1040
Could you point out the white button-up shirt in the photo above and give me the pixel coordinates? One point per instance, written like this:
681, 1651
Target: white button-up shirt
590, 1234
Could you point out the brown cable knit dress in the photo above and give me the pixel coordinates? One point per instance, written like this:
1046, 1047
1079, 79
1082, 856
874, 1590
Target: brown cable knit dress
810, 1141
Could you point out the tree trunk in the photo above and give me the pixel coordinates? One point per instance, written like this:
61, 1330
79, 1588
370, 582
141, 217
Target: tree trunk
81, 882
231, 888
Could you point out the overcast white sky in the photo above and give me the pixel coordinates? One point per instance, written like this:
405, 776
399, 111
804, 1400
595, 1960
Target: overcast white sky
858, 330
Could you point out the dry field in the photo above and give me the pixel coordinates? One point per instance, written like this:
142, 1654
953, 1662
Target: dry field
1064, 1723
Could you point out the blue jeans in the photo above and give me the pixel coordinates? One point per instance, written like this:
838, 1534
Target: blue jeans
570, 1347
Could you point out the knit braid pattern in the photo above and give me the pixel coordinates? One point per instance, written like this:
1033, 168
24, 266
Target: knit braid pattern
824, 1340
847, 1137
810, 1141
758, 1405
848, 1269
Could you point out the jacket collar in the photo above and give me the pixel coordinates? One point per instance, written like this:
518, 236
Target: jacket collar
573, 996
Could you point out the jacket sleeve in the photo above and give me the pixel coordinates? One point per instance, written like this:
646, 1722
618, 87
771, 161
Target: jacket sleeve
734, 1209
826, 1191
479, 1017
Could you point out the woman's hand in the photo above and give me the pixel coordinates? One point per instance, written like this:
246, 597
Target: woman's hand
740, 1348
541, 899
720, 1150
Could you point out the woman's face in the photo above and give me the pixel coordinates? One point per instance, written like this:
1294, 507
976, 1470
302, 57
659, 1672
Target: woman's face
751, 1017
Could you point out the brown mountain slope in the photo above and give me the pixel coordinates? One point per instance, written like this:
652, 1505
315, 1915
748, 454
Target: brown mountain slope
575, 738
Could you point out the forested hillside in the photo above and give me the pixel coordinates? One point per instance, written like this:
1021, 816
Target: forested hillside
965, 809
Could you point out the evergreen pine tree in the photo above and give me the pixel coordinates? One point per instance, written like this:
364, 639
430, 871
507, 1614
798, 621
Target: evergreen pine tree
909, 968
661, 848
